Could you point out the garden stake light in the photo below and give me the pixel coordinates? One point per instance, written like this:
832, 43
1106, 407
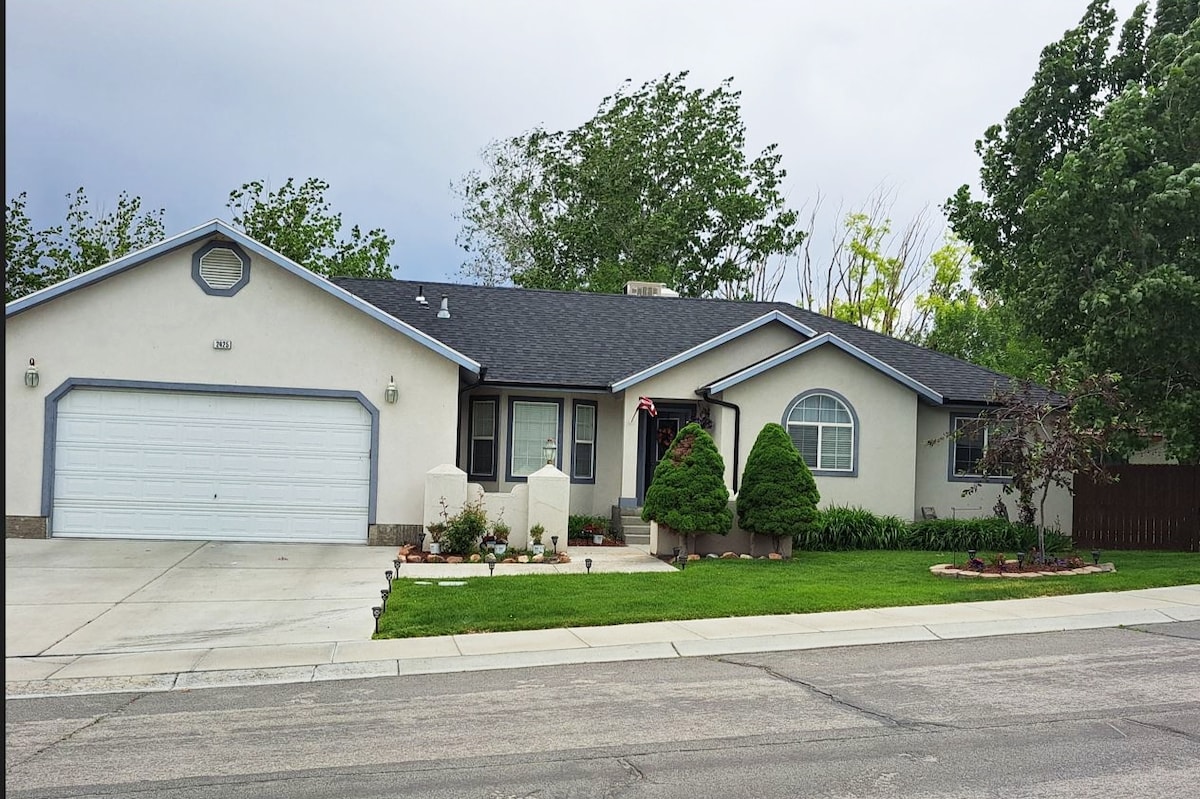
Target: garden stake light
491, 563
396, 562
554, 540
383, 594
588, 562
421, 541
1020, 560
377, 612
388, 575
1095, 557
675, 550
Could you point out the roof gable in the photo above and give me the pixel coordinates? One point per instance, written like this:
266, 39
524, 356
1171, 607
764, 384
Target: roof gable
823, 340
217, 227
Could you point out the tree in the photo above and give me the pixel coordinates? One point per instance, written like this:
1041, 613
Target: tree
656, 186
296, 222
35, 259
688, 492
778, 496
1087, 226
1041, 439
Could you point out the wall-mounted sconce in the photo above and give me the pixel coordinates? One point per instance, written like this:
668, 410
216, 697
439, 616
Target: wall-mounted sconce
32, 378
549, 449
391, 393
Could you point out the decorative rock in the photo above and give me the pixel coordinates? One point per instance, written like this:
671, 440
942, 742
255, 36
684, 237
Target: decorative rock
729, 555
774, 556
744, 556
693, 556
563, 557
435, 559
415, 559
475, 558
509, 560
406, 550
522, 559
454, 559
988, 574
538, 559
712, 555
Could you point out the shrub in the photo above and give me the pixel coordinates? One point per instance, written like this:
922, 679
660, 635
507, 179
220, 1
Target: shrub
778, 495
688, 492
580, 526
841, 527
959, 535
465, 529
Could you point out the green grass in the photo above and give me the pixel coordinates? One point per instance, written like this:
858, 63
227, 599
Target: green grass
810, 583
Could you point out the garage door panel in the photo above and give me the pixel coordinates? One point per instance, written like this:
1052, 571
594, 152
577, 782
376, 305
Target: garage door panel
144, 464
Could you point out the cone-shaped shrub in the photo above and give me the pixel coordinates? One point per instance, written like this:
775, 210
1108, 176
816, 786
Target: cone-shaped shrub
778, 496
688, 492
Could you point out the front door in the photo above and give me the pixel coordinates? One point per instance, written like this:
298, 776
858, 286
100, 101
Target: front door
657, 434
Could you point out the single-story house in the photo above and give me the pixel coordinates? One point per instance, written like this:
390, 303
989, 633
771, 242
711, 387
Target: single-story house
208, 387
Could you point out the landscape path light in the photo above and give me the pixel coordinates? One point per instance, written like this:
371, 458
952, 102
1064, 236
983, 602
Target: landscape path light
377, 611
588, 563
491, 563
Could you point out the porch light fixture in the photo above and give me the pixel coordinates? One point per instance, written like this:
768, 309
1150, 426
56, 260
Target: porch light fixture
549, 449
588, 562
491, 563
391, 393
554, 540
32, 378
1095, 557
377, 611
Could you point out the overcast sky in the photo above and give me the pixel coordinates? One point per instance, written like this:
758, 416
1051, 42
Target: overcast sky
390, 102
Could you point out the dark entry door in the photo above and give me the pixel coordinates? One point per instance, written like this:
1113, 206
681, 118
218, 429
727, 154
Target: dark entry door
657, 434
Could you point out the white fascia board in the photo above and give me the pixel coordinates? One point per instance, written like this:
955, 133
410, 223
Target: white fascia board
712, 343
821, 341
217, 226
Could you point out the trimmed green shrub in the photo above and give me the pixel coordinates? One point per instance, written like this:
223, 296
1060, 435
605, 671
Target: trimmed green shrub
778, 495
465, 529
839, 527
688, 492
576, 523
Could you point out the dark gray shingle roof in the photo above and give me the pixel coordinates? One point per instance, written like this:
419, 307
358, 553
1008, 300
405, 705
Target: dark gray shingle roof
575, 339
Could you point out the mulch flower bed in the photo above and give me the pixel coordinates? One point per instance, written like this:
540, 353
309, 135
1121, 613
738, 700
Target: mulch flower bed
587, 542
999, 567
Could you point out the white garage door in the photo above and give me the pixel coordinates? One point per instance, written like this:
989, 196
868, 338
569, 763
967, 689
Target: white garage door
160, 464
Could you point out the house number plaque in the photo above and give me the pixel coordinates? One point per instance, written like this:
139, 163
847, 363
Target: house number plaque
222, 344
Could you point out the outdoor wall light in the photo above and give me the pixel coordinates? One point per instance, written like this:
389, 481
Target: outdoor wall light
377, 611
554, 540
491, 563
32, 378
1095, 557
549, 449
391, 393
588, 562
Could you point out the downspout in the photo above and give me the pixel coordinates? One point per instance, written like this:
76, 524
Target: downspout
737, 427
459, 417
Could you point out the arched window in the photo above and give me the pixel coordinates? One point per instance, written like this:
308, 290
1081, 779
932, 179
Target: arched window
822, 427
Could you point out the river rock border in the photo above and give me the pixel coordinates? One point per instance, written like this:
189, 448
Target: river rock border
952, 571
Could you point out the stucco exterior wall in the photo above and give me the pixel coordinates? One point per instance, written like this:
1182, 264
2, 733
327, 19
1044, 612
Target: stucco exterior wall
935, 489
680, 383
886, 431
153, 323
593, 499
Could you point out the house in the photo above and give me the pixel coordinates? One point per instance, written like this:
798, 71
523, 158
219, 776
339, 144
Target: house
207, 387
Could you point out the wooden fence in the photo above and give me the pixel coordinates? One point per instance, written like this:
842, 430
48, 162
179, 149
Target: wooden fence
1149, 507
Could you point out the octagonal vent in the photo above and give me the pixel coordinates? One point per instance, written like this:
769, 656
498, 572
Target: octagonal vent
221, 268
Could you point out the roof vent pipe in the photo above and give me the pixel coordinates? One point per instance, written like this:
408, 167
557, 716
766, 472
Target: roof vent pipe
421, 296
444, 311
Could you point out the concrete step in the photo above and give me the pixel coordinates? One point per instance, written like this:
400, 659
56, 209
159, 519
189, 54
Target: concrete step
637, 539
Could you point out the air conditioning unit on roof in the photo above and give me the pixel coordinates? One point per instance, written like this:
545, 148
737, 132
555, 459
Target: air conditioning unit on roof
644, 288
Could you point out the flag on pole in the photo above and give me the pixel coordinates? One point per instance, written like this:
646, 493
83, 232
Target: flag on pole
645, 404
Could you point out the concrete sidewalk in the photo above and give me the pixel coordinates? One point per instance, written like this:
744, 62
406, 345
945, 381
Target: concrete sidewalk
169, 670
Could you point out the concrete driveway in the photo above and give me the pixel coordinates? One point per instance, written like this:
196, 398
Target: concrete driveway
71, 597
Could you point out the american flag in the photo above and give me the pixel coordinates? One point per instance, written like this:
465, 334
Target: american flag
644, 404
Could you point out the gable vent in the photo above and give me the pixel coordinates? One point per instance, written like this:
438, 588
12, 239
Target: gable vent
221, 268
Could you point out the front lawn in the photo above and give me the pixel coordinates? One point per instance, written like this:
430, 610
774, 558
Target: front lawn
810, 583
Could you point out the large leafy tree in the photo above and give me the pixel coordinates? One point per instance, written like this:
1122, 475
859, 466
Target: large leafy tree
656, 186
36, 258
688, 492
297, 221
1088, 227
778, 496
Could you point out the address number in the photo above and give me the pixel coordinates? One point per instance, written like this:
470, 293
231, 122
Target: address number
222, 344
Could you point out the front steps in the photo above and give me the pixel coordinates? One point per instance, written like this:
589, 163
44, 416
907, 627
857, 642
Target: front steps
636, 531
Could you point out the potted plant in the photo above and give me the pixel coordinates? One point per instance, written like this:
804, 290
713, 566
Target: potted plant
596, 531
436, 531
500, 532
535, 535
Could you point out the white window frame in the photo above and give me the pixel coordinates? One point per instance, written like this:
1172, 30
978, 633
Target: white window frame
514, 404
821, 427
593, 407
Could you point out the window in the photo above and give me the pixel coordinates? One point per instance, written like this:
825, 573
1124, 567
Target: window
530, 424
583, 456
967, 446
481, 459
822, 428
